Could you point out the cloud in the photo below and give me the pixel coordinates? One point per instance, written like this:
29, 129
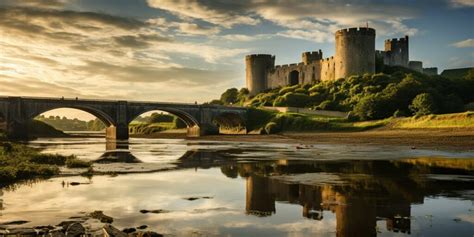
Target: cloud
244, 38
220, 13
462, 3
304, 19
37, 3
469, 43
195, 29
54, 52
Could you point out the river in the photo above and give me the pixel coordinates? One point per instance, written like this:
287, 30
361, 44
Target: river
200, 188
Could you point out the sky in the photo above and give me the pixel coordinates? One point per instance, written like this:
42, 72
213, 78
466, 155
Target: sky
193, 50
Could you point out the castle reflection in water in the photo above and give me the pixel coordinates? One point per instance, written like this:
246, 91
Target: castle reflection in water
359, 193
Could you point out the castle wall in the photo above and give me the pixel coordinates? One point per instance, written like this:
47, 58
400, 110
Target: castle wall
416, 65
328, 69
257, 67
397, 52
280, 75
355, 52
432, 71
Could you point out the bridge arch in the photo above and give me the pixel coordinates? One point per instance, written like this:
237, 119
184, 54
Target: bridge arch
101, 115
187, 118
192, 123
230, 121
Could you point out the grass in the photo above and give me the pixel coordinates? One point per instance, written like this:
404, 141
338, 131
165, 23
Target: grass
19, 162
274, 122
150, 128
457, 120
433, 162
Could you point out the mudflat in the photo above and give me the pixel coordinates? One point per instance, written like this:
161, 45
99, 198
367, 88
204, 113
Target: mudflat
445, 138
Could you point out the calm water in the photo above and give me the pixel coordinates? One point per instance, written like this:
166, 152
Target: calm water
256, 189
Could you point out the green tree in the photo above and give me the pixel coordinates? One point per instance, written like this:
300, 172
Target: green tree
178, 123
230, 96
423, 104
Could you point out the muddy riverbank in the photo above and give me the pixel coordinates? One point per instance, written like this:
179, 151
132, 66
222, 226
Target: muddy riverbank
452, 139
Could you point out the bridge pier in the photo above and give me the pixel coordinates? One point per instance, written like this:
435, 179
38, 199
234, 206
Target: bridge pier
17, 125
17, 130
117, 133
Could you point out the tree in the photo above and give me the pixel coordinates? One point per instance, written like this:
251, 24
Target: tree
216, 102
423, 104
230, 96
178, 123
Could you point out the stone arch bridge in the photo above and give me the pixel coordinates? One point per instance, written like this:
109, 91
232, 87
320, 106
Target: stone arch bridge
16, 112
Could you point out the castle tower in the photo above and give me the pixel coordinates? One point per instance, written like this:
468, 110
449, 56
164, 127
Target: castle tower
257, 67
397, 52
355, 52
309, 57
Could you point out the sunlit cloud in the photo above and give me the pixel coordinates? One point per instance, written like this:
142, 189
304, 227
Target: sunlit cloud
462, 3
469, 43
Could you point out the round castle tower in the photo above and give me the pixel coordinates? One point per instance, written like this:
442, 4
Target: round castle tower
257, 67
355, 52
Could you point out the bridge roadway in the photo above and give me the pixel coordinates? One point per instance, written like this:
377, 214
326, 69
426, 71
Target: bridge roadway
16, 112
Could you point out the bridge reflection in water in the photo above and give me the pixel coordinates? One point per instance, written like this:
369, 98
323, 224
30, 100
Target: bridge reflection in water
358, 192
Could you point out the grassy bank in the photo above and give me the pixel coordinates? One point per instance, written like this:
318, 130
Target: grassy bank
19, 162
150, 128
273, 122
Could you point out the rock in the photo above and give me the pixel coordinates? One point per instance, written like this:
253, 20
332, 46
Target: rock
77, 183
14, 222
99, 215
56, 233
191, 198
110, 231
129, 230
158, 211
75, 230
196, 198
142, 227
149, 234
22, 232
49, 227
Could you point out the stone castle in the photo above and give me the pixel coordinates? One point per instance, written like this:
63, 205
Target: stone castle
355, 55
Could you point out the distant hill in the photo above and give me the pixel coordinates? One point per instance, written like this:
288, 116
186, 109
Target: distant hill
457, 72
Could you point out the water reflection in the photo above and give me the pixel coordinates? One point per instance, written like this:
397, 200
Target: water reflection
281, 188
358, 192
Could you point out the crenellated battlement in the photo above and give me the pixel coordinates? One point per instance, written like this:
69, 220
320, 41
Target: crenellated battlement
356, 31
403, 40
327, 59
266, 56
309, 57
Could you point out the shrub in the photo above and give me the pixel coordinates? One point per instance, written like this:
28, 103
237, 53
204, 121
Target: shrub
469, 107
373, 107
160, 118
272, 128
7, 173
72, 162
423, 104
452, 104
296, 99
287, 89
178, 123
49, 159
325, 105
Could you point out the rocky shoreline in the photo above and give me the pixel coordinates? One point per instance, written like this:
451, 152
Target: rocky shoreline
94, 224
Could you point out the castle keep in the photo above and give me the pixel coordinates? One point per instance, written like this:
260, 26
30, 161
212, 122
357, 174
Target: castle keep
355, 55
